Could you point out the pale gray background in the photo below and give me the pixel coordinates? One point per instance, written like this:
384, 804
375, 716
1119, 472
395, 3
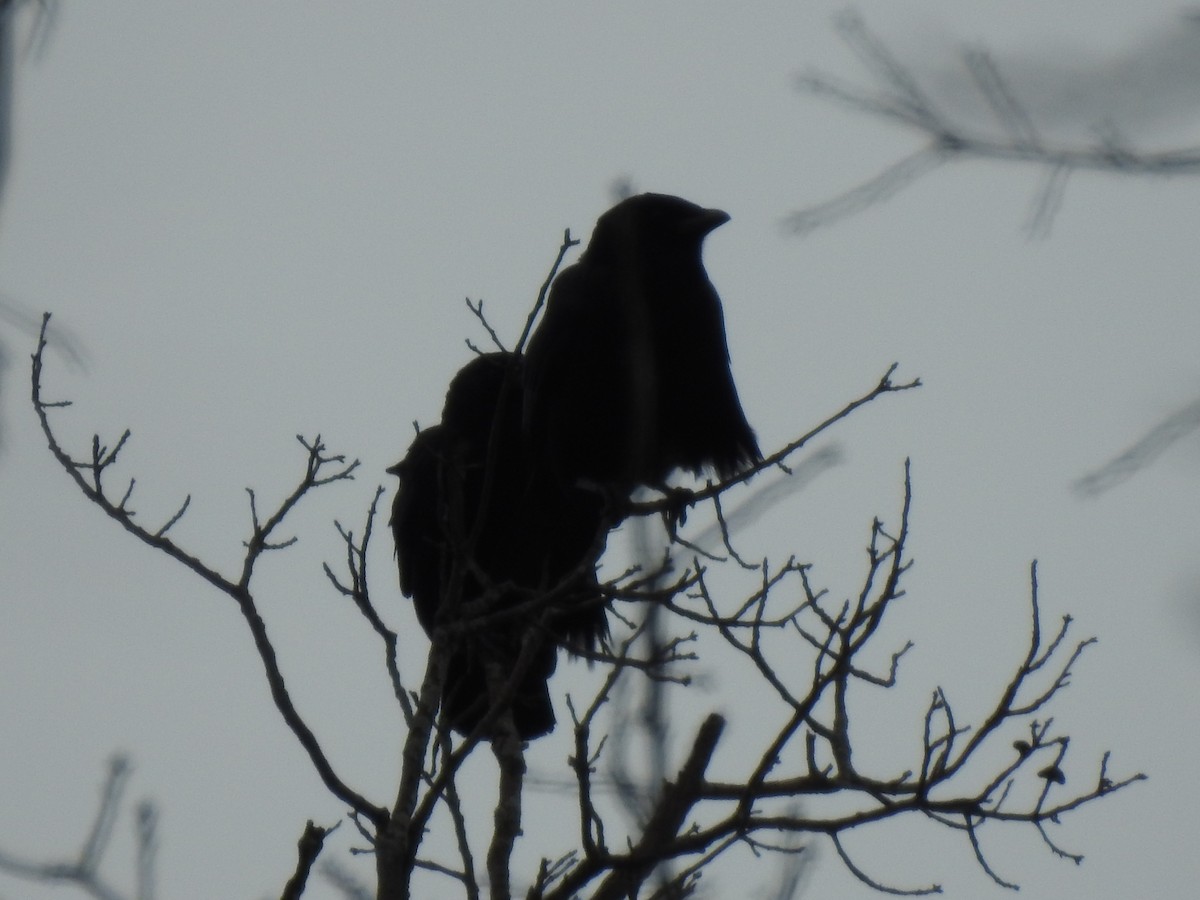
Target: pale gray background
260, 218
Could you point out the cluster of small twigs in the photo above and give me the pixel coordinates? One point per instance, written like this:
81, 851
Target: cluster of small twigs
898, 97
818, 727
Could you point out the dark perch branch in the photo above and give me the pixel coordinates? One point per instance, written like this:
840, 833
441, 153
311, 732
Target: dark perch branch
397, 841
510, 759
778, 458
659, 837
308, 849
670, 814
454, 805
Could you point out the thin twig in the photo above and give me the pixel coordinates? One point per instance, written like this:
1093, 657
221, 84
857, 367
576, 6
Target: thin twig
567, 243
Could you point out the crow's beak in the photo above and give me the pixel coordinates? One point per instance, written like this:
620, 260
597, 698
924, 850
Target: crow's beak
707, 220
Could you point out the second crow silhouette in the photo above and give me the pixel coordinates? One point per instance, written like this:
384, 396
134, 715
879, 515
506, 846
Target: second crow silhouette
490, 548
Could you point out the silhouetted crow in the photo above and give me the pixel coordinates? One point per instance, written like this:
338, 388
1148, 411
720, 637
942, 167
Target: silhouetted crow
627, 376
480, 531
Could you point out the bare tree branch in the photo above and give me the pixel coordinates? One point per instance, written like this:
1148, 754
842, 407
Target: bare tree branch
84, 871
308, 849
315, 475
567, 243
897, 97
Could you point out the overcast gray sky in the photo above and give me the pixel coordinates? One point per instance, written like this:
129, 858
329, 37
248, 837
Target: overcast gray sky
258, 219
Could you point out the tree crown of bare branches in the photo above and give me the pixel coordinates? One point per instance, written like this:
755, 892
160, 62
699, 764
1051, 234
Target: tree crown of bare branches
692, 819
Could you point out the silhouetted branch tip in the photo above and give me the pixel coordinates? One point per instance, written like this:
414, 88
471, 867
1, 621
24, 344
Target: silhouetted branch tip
477, 311
567, 243
308, 849
175, 518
